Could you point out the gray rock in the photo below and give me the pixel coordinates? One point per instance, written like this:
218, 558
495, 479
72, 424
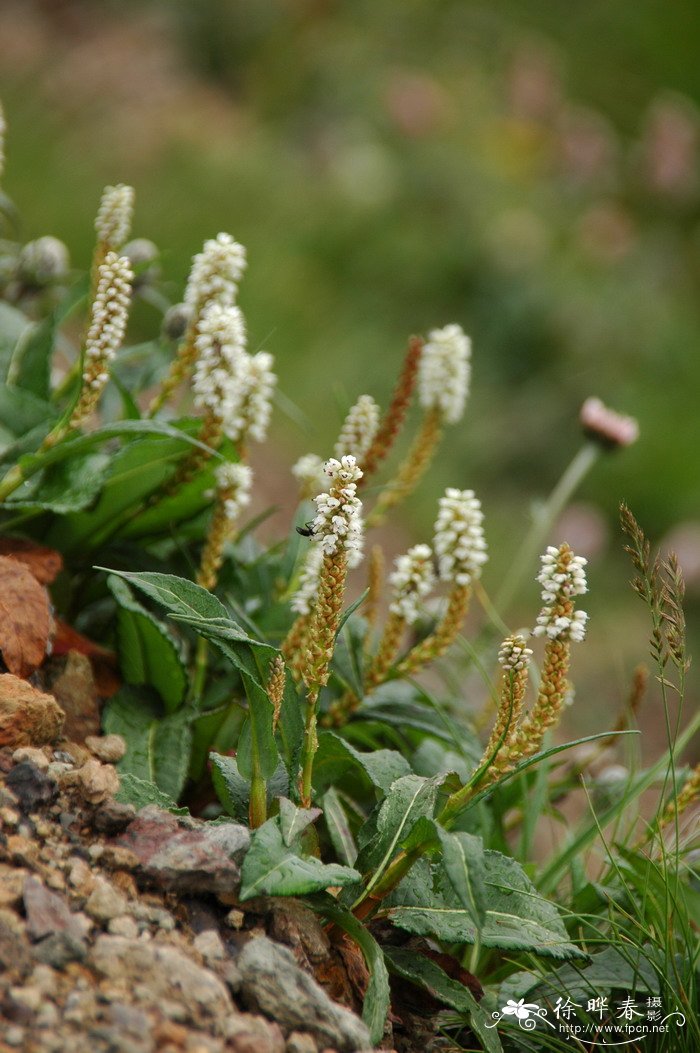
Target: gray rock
30, 786
247, 1033
47, 913
113, 816
166, 974
178, 853
104, 902
301, 1042
273, 984
59, 949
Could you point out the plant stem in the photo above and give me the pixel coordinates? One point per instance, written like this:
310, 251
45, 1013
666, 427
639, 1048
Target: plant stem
543, 521
309, 747
199, 673
11, 481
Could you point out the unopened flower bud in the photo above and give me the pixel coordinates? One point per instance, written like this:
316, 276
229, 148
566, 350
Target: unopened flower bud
606, 427
113, 221
175, 321
43, 262
143, 255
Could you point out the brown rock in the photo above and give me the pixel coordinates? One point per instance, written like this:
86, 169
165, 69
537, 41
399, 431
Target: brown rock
107, 748
25, 618
32, 754
14, 948
249, 1033
104, 902
27, 717
22, 850
73, 683
95, 781
113, 816
48, 912
11, 885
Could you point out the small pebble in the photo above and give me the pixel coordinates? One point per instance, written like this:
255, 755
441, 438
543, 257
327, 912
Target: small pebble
235, 919
104, 902
35, 756
107, 748
209, 945
124, 925
14, 1036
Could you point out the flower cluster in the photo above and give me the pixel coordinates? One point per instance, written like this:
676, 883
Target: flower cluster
514, 655
338, 522
459, 537
562, 577
308, 471
216, 272
359, 428
303, 599
252, 414
412, 580
110, 312
234, 482
113, 220
220, 343
443, 372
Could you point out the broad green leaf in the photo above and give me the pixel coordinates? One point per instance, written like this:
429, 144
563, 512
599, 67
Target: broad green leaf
335, 757
20, 411
66, 487
138, 792
338, 827
13, 324
158, 746
231, 788
257, 737
290, 727
610, 969
428, 975
516, 916
31, 363
293, 820
463, 861
148, 654
272, 868
409, 799
377, 998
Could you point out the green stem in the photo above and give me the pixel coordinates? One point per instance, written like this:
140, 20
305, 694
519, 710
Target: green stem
257, 809
309, 746
11, 481
199, 674
543, 521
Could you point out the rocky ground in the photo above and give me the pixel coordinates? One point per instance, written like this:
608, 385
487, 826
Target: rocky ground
121, 932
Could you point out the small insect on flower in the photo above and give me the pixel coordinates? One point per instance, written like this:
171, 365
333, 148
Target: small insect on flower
307, 530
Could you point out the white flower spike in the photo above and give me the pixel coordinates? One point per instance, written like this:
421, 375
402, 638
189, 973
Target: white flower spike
444, 371
459, 537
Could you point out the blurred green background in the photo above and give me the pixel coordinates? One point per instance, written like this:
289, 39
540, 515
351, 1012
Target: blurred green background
527, 169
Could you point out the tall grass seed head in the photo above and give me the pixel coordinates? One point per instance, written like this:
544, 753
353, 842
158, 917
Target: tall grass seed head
219, 372
216, 272
514, 654
444, 372
459, 537
113, 220
234, 483
412, 580
338, 522
359, 428
562, 577
110, 312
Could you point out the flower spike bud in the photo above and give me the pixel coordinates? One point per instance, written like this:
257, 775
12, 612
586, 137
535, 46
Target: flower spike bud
113, 221
359, 429
110, 312
220, 344
232, 494
412, 580
562, 578
459, 537
251, 416
338, 522
308, 471
443, 372
609, 429
216, 272
514, 657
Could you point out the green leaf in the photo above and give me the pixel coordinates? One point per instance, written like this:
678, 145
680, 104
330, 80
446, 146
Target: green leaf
272, 868
231, 788
463, 861
409, 799
158, 747
293, 820
610, 969
377, 998
31, 363
13, 324
21, 411
148, 654
139, 792
66, 487
335, 757
516, 916
428, 975
338, 827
